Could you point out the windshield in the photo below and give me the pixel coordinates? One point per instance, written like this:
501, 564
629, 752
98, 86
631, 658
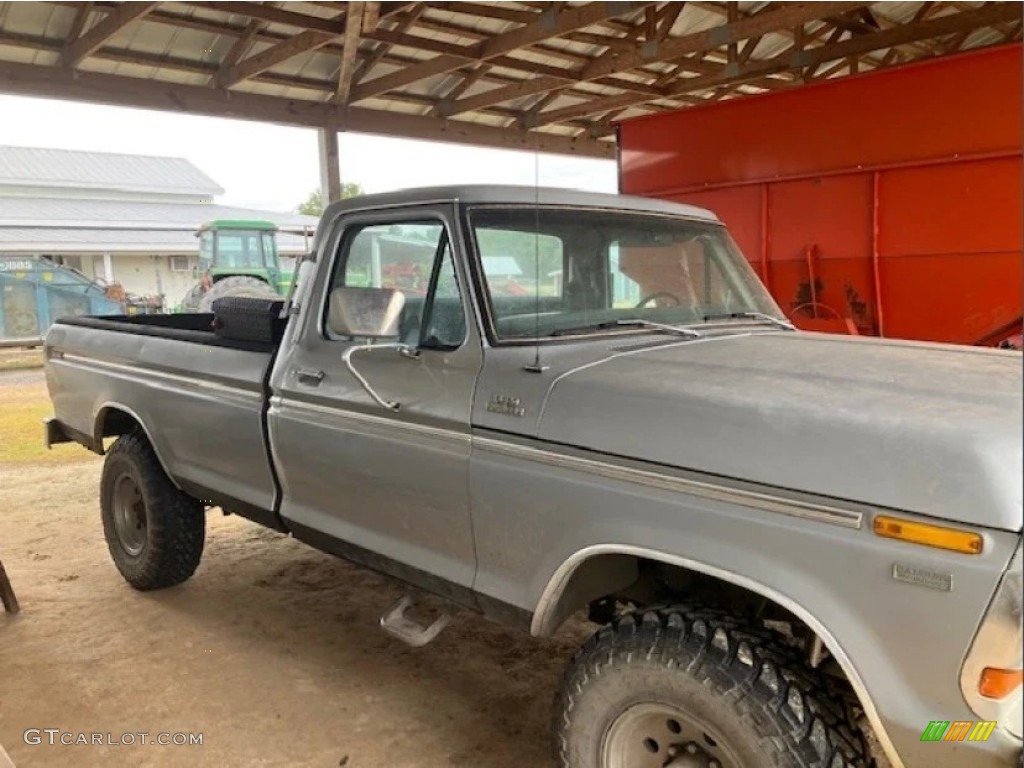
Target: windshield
560, 271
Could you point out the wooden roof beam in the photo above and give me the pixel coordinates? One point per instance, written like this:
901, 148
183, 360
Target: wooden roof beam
239, 48
797, 60
354, 21
78, 25
381, 49
665, 50
120, 17
101, 88
303, 42
546, 26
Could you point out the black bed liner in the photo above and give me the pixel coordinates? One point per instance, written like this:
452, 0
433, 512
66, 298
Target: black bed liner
231, 326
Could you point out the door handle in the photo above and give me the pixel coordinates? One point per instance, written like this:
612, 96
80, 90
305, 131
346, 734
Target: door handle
308, 376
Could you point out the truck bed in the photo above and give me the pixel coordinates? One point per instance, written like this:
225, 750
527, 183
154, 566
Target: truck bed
206, 390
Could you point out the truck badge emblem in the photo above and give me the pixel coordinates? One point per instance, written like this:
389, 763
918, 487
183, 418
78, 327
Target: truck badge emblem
923, 577
507, 405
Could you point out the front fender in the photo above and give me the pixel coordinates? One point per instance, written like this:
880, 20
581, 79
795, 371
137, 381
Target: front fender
901, 644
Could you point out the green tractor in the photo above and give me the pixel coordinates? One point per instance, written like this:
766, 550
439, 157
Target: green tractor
236, 258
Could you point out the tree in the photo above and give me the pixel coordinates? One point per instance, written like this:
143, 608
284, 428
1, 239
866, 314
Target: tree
314, 204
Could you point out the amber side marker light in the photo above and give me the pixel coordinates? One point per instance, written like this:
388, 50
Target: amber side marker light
999, 683
930, 535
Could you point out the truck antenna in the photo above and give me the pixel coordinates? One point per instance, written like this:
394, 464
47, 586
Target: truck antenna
536, 366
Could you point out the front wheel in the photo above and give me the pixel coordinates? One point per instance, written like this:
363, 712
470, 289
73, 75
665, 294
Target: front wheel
154, 531
695, 688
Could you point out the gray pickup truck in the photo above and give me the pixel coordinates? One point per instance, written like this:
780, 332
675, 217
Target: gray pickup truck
538, 403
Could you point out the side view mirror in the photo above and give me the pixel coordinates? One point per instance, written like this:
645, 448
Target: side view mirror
367, 312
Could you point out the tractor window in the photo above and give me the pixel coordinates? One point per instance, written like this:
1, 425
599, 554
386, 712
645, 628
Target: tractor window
239, 250
269, 250
414, 258
205, 250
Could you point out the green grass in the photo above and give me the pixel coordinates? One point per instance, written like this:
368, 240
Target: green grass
22, 410
20, 359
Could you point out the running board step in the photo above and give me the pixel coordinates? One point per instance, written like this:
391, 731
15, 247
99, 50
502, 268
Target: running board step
409, 631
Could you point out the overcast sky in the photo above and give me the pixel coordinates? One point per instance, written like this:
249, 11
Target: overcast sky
275, 167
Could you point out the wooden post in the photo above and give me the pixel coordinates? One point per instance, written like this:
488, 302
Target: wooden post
330, 171
7, 592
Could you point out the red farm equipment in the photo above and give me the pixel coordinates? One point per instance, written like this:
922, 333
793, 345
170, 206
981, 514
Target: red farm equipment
884, 204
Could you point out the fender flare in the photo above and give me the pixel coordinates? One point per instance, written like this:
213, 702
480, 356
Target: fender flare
98, 419
545, 610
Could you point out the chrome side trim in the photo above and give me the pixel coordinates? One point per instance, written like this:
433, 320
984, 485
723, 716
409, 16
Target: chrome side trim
560, 579
79, 360
791, 507
423, 430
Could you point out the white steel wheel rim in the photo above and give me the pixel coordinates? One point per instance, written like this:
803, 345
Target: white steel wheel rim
654, 735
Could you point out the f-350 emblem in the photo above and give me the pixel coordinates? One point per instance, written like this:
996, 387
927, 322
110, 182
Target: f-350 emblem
506, 405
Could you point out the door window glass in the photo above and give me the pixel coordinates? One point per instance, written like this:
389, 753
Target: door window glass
415, 259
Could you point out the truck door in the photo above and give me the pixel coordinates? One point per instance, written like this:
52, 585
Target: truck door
388, 489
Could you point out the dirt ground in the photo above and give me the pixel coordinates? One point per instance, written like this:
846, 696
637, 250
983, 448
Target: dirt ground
271, 651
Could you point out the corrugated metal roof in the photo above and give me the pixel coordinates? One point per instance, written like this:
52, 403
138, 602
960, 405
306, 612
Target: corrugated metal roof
47, 213
71, 240
48, 225
71, 169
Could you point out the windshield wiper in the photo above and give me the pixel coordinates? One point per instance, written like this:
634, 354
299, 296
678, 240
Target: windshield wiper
750, 316
688, 333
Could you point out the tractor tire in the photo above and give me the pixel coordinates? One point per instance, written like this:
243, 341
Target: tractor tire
154, 531
238, 285
193, 298
694, 686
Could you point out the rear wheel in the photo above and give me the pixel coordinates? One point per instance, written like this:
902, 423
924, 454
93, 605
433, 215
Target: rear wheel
694, 688
237, 285
154, 531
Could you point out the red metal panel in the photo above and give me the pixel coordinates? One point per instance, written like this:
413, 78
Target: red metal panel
955, 208
832, 213
955, 298
739, 208
820, 248
962, 105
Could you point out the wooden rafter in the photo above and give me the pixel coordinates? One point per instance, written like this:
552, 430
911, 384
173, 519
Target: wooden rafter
407, 19
540, 29
174, 63
354, 23
518, 80
667, 50
124, 14
78, 25
239, 48
95, 87
937, 27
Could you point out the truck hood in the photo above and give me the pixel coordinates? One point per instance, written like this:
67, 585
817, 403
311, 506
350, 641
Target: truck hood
926, 428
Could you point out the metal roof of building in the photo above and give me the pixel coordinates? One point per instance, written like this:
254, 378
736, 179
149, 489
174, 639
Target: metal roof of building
71, 169
75, 240
51, 225
528, 75
105, 214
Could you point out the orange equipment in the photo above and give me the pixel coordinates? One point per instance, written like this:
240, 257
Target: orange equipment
887, 203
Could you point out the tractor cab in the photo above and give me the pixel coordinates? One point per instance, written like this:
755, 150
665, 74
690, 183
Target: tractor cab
236, 258
229, 247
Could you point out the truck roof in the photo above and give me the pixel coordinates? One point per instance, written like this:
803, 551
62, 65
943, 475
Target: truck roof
514, 195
